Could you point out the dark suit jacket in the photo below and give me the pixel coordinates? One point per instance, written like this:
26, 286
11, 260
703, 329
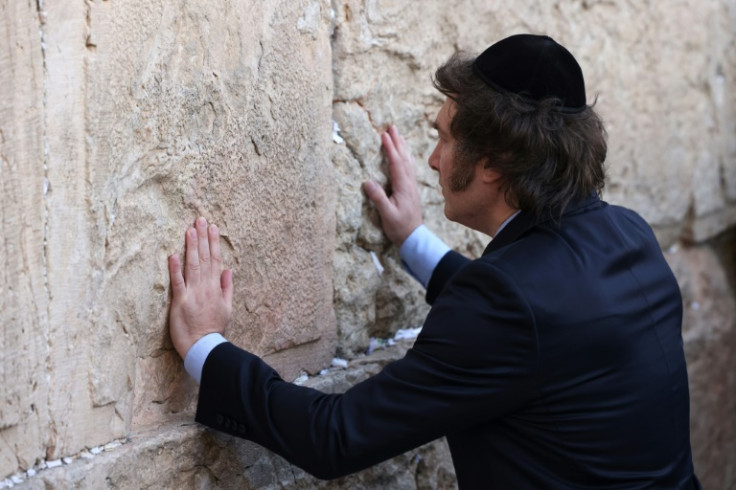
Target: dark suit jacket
553, 361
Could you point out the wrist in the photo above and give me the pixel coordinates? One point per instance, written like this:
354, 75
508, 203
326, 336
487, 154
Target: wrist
406, 233
182, 346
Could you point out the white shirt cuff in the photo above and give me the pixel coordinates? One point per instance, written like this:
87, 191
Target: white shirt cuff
197, 354
421, 252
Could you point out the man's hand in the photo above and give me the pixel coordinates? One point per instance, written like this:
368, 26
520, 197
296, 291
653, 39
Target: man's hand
202, 297
402, 212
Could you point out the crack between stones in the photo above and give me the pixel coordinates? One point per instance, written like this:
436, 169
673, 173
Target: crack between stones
43, 464
46, 325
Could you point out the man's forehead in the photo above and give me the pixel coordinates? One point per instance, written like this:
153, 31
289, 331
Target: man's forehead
444, 116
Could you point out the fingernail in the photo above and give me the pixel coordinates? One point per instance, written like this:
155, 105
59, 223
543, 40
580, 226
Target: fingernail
213, 229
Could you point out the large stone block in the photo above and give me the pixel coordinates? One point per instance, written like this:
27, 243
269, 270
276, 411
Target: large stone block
24, 295
709, 335
122, 122
223, 111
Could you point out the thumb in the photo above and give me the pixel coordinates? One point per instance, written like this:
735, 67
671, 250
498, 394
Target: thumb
178, 286
377, 196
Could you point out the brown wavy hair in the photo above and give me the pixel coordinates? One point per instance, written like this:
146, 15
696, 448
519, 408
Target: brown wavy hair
548, 158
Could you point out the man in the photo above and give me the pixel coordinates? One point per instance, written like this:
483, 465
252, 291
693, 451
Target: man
553, 361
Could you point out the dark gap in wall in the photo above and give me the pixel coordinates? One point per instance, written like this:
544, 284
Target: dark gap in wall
725, 247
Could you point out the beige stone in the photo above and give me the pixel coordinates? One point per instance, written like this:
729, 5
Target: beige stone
24, 294
709, 334
123, 122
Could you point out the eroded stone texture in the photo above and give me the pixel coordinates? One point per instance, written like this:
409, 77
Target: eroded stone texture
709, 335
23, 295
140, 116
222, 111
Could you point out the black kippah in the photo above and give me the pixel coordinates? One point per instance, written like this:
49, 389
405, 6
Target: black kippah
534, 67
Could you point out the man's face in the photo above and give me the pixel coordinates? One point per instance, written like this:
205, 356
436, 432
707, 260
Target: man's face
455, 179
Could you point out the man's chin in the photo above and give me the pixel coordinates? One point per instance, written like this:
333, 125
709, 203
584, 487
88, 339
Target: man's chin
449, 214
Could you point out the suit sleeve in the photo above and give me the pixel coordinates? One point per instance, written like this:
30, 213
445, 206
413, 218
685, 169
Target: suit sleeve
476, 359
451, 263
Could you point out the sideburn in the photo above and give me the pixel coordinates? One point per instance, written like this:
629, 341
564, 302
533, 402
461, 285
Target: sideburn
463, 172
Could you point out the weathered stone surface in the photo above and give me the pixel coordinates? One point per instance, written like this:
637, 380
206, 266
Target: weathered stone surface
23, 293
122, 122
709, 335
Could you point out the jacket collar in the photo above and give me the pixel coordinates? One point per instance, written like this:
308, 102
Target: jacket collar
525, 221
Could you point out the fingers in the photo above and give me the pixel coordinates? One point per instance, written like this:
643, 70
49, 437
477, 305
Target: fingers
399, 142
178, 286
203, 246
401, 165
216, 254
377, 196
203, 254
192, 268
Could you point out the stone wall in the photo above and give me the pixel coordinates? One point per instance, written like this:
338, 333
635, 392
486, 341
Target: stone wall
120, 122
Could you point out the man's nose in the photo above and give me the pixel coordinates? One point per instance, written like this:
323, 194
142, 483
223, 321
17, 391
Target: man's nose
434, 159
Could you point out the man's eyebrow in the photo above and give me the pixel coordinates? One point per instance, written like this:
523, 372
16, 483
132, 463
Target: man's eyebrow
437, 128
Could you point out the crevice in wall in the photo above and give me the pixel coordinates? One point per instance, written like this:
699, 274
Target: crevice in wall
43, 465
725, 247
45, 322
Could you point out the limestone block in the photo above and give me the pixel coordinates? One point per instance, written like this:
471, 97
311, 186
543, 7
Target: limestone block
670, 121
122, 122
215, 110
24, 296
709, 334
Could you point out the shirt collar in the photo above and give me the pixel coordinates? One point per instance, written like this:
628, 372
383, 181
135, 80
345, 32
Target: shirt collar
507, 221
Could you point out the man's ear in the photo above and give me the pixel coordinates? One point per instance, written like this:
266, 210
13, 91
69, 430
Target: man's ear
489, 175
